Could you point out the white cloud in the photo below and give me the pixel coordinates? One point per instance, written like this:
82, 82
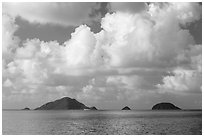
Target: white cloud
7, 83
10, 42
182, 81
127, 82
69, 13
180, 11
140, 40
129, 57
80, 47
186, 78
187, 12
28, 50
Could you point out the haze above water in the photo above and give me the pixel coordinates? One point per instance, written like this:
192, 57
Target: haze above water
102, 122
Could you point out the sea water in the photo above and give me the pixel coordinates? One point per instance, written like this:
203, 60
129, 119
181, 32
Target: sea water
101, 122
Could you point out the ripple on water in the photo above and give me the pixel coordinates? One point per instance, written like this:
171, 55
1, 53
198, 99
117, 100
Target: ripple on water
101, 122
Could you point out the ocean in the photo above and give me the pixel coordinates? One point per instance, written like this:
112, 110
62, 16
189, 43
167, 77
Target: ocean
75, 122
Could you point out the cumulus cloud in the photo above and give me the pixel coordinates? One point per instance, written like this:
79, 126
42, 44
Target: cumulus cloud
182, 81
7, 83
144, 40
134, 53
126, 82
65, 14
10, 42
186, 78
81, 47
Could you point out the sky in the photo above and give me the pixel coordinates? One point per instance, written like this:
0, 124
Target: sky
107, 55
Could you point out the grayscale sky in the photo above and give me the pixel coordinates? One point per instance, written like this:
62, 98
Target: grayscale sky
107, 55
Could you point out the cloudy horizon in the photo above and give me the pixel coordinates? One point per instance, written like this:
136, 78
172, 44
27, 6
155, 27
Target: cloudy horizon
107, 55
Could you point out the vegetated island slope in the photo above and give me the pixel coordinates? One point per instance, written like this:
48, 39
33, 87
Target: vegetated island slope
65, 103
93, 108
165, 106
126, 108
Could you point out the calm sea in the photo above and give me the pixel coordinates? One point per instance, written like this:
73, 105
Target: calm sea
101, 122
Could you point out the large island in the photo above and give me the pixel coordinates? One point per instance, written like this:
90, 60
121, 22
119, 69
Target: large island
65, 103
165, 106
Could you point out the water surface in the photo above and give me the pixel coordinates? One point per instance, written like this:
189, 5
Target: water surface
101, 122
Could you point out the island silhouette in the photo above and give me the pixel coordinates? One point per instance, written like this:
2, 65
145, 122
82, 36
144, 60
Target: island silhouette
67, 103
26, 108
126, 108
165, 106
